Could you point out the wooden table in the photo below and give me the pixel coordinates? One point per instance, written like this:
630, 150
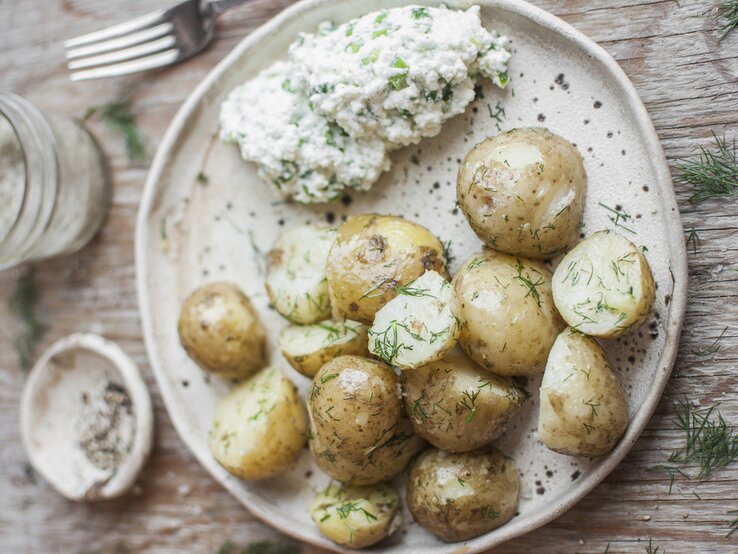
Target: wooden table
689, 82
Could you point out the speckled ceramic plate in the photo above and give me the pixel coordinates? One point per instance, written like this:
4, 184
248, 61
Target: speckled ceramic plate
190, 233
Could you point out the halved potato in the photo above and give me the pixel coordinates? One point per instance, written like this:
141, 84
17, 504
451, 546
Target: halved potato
259, 426
508, 314
372, 256
523, 192
460, 496
221, 331
420, 325
583, 410
356, 516
308, 347
456, 405
295, 280
604, 286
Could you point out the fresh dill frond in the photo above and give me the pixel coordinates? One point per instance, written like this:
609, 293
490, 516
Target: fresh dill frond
734, 523
713, 348
713, 174
528, 283
693, 240
271, 547
447, 252
117, 116
226, 548
22, 304
710, 443
410, 290
727, 14
651, 549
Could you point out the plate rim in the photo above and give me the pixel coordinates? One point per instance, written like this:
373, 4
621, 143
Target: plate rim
673, 225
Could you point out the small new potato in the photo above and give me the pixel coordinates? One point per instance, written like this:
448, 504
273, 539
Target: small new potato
456, 405
604, 287
508, 314
583, 411
460, 496
356, 516
373, 255
295, 280
308, 347
359, 431
523, 192
221, 331
420, 325
259, 426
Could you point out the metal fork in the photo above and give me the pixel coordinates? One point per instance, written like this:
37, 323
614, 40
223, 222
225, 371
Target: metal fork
160, 38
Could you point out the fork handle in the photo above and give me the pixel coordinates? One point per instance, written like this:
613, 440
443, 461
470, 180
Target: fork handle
217, 7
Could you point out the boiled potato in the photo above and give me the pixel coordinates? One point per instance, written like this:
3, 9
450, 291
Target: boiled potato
583, 411
221, 331
456, 405
523, 192
356, 516
308, 347
420, 325
509, 319
460, 496
295, 280
371, 257
359, 431
604, 286
259, 426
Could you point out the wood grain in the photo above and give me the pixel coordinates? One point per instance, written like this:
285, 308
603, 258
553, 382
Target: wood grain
689, 83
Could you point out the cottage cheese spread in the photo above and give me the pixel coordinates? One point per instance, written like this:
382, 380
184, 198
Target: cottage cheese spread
324, 120
303, 154
401, 73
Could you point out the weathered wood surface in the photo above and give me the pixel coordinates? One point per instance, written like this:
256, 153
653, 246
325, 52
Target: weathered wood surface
689, 82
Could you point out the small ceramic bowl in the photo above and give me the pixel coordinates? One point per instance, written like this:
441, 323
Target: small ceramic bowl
86, 418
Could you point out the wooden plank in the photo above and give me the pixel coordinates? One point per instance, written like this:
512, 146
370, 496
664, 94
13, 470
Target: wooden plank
689, 83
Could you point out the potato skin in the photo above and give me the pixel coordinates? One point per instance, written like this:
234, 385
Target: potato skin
604, 287
458, 406
356, 516
508, 314
259, 427
221, 331
460, 496
309, 362
372, 255
523, 192
583, 411
359, 431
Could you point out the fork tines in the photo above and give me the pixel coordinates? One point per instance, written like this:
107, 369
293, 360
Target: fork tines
143, 43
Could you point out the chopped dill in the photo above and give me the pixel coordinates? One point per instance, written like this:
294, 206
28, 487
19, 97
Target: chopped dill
528, 283
693, 240
22, 304
710, 443
447, 252
727, 14
202, 178
713, 174
470, 403
258, 255
650, 549
260, 547
713, 348
117, 116
409, 290
618, 215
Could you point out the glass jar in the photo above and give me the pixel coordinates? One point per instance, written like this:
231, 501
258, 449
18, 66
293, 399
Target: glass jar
54, 191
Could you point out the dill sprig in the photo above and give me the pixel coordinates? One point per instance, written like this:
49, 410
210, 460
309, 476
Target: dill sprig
728, 15
734, 523
651, 549
22, 304
713, 348
693, 240
260, 547
528, 283
713, 174
710, 443
118, 117
618, 215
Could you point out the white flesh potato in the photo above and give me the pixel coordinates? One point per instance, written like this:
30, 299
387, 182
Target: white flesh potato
603, 286
259, 427
420, 325
295, 280
356, 516
300, 152
583, 411
400, 73
308, 347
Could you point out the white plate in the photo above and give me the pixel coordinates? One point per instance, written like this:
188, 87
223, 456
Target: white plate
189, 234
